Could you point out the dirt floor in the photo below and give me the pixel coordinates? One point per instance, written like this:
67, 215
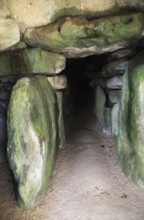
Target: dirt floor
87, 183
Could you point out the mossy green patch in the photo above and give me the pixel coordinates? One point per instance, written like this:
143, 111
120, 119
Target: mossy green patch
32, 136
79, 32
130, 137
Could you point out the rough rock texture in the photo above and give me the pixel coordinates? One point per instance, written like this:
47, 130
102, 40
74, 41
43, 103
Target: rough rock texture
77, 36
9, 33
32, 136
58, 82
33, 13
131, 128
31, 61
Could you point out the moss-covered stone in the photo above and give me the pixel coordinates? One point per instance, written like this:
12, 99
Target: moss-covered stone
72, 34
32, 136
31, 61
130, 137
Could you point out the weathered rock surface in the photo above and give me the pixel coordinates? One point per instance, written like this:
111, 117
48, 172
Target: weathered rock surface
131, 128
77, 36
115, 96
37, 13
9, 33
117, 67
100, 100
32, 136
58, 82
31, 61
115, 82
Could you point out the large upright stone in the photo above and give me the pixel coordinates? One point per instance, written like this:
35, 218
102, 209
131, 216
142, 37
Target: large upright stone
77, 36
32, 136
9, 33
31, 61
131, 129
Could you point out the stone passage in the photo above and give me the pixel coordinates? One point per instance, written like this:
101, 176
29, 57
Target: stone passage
36, 38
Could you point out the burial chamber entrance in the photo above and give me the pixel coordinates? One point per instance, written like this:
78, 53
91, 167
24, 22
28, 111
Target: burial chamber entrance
54, 79
90, 101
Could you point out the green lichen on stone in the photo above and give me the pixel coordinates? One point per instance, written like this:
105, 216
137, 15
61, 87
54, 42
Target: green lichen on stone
31, 61
130, 137
79, 32
32, 136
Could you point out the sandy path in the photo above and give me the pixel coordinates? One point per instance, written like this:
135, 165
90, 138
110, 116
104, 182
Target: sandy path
87, 183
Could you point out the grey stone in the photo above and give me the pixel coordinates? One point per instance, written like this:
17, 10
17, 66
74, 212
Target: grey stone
115, 82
